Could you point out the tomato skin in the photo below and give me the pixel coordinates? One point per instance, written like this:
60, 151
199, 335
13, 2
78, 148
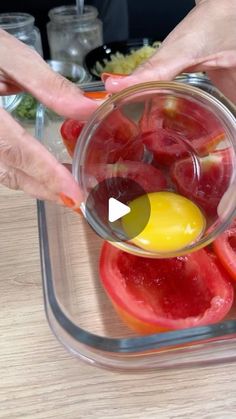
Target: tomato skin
207, 189
153, 115
166, 146
207, 143
225, 249
116, 138
151, 294
172, 126
135, 324
70, 132
148, 177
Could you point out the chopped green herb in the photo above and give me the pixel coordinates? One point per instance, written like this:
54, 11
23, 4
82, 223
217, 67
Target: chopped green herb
27, 107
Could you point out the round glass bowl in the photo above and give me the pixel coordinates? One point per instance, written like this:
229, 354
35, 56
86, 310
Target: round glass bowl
168, 137
71, 71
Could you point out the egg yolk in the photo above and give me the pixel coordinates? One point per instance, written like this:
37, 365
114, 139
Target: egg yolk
174, 222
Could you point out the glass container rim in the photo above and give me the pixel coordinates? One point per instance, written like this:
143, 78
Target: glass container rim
60, 14
12, 102
20, 20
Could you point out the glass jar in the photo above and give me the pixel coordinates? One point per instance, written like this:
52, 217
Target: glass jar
21, 25
70, 35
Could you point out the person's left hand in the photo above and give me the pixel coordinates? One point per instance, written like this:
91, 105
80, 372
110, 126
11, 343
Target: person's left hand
24, 162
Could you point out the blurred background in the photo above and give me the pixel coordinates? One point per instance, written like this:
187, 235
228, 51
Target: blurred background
122, 19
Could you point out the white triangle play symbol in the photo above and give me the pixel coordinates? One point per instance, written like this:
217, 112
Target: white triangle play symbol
116, 210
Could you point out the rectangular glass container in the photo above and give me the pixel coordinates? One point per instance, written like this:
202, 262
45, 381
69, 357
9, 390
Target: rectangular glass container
79, 312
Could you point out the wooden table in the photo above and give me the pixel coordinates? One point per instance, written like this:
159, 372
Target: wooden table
40, 380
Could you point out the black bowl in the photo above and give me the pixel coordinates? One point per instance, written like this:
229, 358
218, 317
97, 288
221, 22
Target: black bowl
106, 50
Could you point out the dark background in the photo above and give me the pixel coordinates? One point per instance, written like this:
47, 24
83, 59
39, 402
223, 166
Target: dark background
147, 18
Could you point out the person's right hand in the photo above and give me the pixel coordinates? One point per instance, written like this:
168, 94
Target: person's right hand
204, 41
24, 162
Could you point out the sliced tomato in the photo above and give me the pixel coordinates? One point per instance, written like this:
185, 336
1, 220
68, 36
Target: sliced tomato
154, 295
206, 184
153, 115
70, 132
200, 126
207, 142
148, 177
179, 114
167, 116
225, 249
166, 146
115, 138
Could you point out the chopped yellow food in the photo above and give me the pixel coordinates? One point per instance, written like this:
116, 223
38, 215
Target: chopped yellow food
125, 64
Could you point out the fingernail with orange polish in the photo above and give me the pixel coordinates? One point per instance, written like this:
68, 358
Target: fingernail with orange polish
97, 95
67, 201
105, 76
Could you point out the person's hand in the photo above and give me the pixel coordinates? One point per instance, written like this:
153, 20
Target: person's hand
204, 41
24, 162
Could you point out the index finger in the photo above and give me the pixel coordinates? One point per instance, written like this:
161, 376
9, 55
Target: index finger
29, 71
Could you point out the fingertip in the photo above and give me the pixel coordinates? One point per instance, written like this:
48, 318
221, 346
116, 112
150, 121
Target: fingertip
105, 76
79, 107
115, 84
62, 96
67, 188
70, 199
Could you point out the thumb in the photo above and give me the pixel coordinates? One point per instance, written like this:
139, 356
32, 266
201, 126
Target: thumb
163, 65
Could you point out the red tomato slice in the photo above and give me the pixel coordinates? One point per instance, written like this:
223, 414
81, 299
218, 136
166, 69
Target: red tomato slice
153, 116
200, 126
70, 132
192, 125
166, 146
116, 138
148, 177
165, 294
207, 187
205, 144
225, 248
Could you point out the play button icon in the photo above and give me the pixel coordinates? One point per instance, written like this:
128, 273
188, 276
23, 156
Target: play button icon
107, 207
116, 210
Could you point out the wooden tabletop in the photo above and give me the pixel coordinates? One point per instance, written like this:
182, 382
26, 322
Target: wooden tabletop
40, 380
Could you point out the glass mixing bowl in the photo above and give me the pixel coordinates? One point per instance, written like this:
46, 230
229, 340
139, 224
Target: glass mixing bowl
185, 133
